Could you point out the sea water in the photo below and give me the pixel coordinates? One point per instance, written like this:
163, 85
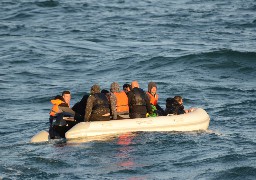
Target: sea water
204, 51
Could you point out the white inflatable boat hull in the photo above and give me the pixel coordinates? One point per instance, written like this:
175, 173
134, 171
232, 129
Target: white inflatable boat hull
42, 136
193, 121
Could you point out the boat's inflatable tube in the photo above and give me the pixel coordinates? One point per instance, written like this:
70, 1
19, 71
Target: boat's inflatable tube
42, 136
193, 121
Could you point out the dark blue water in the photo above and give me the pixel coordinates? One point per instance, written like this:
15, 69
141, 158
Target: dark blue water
204, 51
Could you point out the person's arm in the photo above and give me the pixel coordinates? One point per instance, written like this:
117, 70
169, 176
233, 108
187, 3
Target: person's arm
129, 95
181, 110
160, 110
113, 105
88, 109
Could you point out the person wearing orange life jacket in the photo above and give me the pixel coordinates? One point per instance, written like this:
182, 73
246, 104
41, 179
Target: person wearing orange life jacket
65, 119
54, 114
118, 102
153, 97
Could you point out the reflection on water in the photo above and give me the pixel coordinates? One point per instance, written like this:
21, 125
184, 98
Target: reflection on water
125, 154
124, 151
79, 141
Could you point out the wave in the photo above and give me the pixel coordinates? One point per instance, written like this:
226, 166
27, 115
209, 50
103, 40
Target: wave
47, 4
229, 54
225, 62
215, 59
244, 172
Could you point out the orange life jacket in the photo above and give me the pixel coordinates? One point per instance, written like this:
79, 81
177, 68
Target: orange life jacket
153, 99
55, 107
121, 101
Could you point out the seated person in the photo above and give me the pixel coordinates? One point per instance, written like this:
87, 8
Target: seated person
59, 127
118, 102
97, 106
153, 98
138, 102
175, 106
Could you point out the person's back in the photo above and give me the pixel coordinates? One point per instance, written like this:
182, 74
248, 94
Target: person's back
138, 101
97, 108
119, 102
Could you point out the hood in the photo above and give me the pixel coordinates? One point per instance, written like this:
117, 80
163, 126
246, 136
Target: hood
59, 97
95, 89
114, 87
151, 85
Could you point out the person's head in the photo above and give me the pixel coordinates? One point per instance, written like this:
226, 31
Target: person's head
152, 88
59, 97
126, 87
135, 84
114, 87
66, 96
104, 91
178, 99
95, 89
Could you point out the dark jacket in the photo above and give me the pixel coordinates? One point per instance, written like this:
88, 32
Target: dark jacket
173, 107
97, 106
139, 104
80, 106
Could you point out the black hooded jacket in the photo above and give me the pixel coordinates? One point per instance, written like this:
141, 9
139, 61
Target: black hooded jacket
173, 107
138, 103
80, 106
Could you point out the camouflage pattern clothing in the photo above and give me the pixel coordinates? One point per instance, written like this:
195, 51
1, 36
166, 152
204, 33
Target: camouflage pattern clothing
97, 107
114, 88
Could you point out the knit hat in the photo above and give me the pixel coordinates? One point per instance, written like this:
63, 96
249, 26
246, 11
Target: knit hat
114, 87
95, 89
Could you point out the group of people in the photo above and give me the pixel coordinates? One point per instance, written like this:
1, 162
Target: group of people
103, 105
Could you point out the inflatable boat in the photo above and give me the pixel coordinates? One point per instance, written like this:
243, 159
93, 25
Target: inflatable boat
193, 121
